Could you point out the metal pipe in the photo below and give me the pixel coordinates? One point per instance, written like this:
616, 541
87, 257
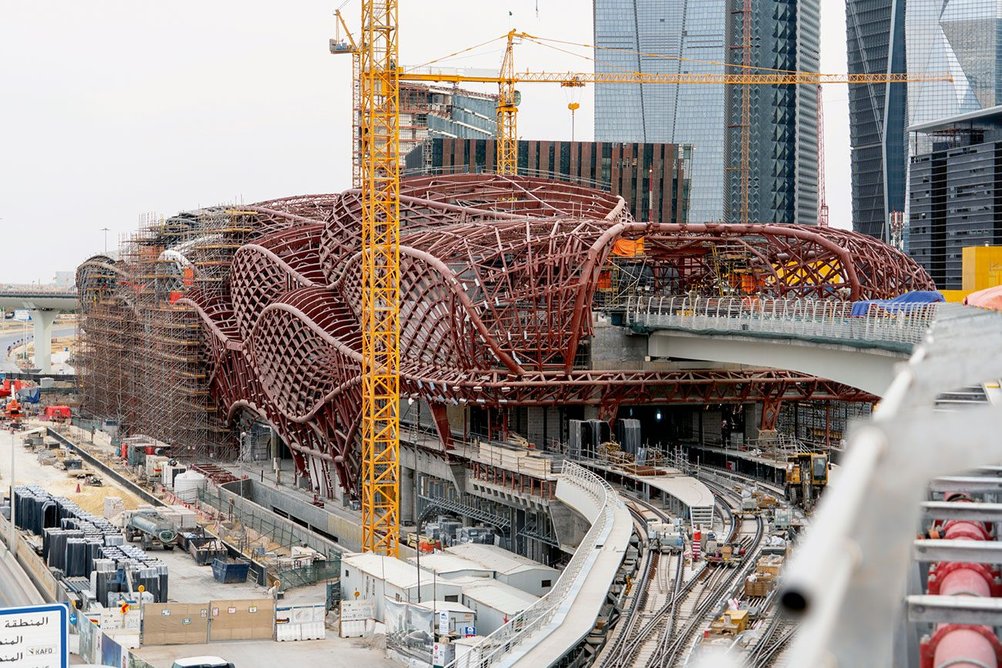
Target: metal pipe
809, 577
964, 648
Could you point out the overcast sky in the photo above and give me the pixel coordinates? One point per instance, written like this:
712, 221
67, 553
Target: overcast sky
112, 109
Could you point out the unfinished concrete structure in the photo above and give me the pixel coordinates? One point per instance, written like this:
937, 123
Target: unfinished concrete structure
250, 313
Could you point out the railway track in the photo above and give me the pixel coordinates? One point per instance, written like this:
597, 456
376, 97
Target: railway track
678, 646
650, 629
777, 634
637, 620
668, 606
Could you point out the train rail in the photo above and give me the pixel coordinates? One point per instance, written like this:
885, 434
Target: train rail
716, 592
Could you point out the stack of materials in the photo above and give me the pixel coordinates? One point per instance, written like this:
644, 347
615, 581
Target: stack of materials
629, 435
76, 543
585, 437
514, 458
763, 580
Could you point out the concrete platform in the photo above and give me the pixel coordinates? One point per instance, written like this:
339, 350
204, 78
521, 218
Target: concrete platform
688, 490
577, 616
333, 652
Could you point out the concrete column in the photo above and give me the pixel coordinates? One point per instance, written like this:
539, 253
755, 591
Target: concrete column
408, 500
43, 338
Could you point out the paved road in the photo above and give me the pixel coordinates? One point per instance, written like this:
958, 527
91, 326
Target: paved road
9, 338
15, 588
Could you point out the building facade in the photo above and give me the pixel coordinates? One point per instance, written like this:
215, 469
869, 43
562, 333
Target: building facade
955, 37
434, 111
877, 114
955, 193
701, 37
652, 178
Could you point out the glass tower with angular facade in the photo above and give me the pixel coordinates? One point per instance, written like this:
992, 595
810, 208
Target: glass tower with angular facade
876, 45
666, 32
654, 36
960, 38
956, 37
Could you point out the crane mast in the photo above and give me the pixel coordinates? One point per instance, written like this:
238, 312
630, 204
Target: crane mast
507, 111
379, 99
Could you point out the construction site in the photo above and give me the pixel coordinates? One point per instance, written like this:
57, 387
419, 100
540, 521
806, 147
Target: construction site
503, 402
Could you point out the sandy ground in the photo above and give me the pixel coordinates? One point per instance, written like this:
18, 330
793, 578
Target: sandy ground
55, 480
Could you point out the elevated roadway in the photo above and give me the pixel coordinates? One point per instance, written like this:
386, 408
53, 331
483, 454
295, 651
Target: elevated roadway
818, 337
44, 303
15, 587
8, 340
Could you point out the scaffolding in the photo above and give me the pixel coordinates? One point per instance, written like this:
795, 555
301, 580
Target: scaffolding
143, 361
819, 424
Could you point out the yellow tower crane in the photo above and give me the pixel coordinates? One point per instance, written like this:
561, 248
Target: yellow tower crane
379, 161
347, 44
376, 110
508, 97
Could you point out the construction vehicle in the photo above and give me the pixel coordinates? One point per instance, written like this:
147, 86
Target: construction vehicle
150, 528
731, 623
14, 413
730, 555
806, 478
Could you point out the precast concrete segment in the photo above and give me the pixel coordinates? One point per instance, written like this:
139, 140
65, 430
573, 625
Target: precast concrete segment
498, 275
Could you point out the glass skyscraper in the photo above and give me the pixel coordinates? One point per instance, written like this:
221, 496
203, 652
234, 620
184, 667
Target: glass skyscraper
666, 32
876, 45
956, 37
654, 36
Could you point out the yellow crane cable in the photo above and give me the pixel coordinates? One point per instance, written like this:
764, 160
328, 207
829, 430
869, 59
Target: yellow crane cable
456, 53
662, 56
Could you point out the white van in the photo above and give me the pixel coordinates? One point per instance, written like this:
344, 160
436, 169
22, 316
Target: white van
202, 662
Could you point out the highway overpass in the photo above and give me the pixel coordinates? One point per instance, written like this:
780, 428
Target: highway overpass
45, 303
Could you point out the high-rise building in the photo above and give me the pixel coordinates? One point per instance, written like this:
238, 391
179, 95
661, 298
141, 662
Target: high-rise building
955, 192
652, 178
702, 36
956, 37
434, 111
876, 45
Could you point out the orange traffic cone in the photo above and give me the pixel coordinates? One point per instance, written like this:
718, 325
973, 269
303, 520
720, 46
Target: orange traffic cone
78, 488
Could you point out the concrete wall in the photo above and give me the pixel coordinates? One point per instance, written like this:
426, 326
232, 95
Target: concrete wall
237, 493
871, 371
348, 532
543, 426
616, 348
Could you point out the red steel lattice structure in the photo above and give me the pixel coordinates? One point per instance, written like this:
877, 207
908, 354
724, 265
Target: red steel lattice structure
498, 278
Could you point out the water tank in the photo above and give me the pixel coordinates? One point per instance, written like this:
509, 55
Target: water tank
188, 484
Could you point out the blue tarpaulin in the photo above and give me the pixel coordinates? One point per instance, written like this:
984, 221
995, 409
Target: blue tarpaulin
904, 302
30, 395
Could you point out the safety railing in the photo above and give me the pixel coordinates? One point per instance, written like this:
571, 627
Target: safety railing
36, 289
898, 328
494, 647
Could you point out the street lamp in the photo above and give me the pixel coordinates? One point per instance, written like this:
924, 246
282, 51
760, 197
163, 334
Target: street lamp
105, 230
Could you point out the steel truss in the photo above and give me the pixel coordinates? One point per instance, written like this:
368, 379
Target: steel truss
498, 277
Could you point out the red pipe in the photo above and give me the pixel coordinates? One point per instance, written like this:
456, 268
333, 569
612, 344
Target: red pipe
962, 645
965, 647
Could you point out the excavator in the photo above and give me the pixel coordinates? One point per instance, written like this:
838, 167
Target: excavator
14, 413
